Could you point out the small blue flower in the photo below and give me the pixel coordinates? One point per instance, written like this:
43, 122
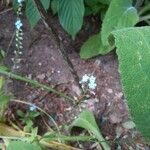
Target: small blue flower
92, 79
33, 107
92, 86
85, 78
18, 24
20, 1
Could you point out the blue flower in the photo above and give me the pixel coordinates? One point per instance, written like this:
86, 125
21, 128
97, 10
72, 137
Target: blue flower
92, 79
85, 78
33, 107
20, 1
92, 86
18, 24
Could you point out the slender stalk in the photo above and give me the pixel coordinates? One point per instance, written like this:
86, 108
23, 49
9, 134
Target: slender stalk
144, 9
35, 83
144, 18
48, 24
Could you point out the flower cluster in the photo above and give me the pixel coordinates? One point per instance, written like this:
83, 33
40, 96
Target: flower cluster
19, 37
90, 80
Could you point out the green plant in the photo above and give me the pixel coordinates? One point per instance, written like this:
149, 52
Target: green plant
31, 140
133, 48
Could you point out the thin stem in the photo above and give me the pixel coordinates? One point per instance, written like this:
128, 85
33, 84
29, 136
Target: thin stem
48, 24
34, 82
5, 11
144, 9
144, 18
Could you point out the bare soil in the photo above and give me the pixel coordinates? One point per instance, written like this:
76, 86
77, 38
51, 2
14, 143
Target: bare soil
42, 61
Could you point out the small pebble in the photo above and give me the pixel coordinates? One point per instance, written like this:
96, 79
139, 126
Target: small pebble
40, 64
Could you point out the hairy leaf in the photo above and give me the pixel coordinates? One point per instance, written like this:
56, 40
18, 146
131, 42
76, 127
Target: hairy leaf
71, 14
87, 121
120, 14
133, 49
19, 145
93, 46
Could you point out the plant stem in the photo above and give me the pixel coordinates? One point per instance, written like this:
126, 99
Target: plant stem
144, 18
35, 83
48, 24
144, 9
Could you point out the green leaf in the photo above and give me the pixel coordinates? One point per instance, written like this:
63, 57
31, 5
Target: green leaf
105, 1
4, 99
133, 49
32, 12
19, 145
71, 14
55, 6
93, 46
120, 14
91, 3
128, 19
87, 121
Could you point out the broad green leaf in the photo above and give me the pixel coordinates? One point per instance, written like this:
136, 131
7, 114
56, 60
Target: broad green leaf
19, 145
32, 12
71, 14
128, 19
87, 121
133, 49
93, 46
120, 14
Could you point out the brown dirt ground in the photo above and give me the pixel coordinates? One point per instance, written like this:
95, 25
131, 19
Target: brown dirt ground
42, 61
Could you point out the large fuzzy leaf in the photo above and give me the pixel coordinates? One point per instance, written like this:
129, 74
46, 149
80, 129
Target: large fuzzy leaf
133, 49
87, 121
120, 14
71, 14
19, 145
93, 46
32, 12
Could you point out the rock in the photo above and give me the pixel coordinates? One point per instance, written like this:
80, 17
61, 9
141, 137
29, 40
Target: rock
41, 76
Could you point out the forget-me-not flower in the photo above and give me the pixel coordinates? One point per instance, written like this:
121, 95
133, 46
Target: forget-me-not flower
20, 1
33, 107
90, 80
85, 78
92, 86
18, 24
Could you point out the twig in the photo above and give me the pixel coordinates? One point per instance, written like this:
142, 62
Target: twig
5, 11
10, 43
47, 20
